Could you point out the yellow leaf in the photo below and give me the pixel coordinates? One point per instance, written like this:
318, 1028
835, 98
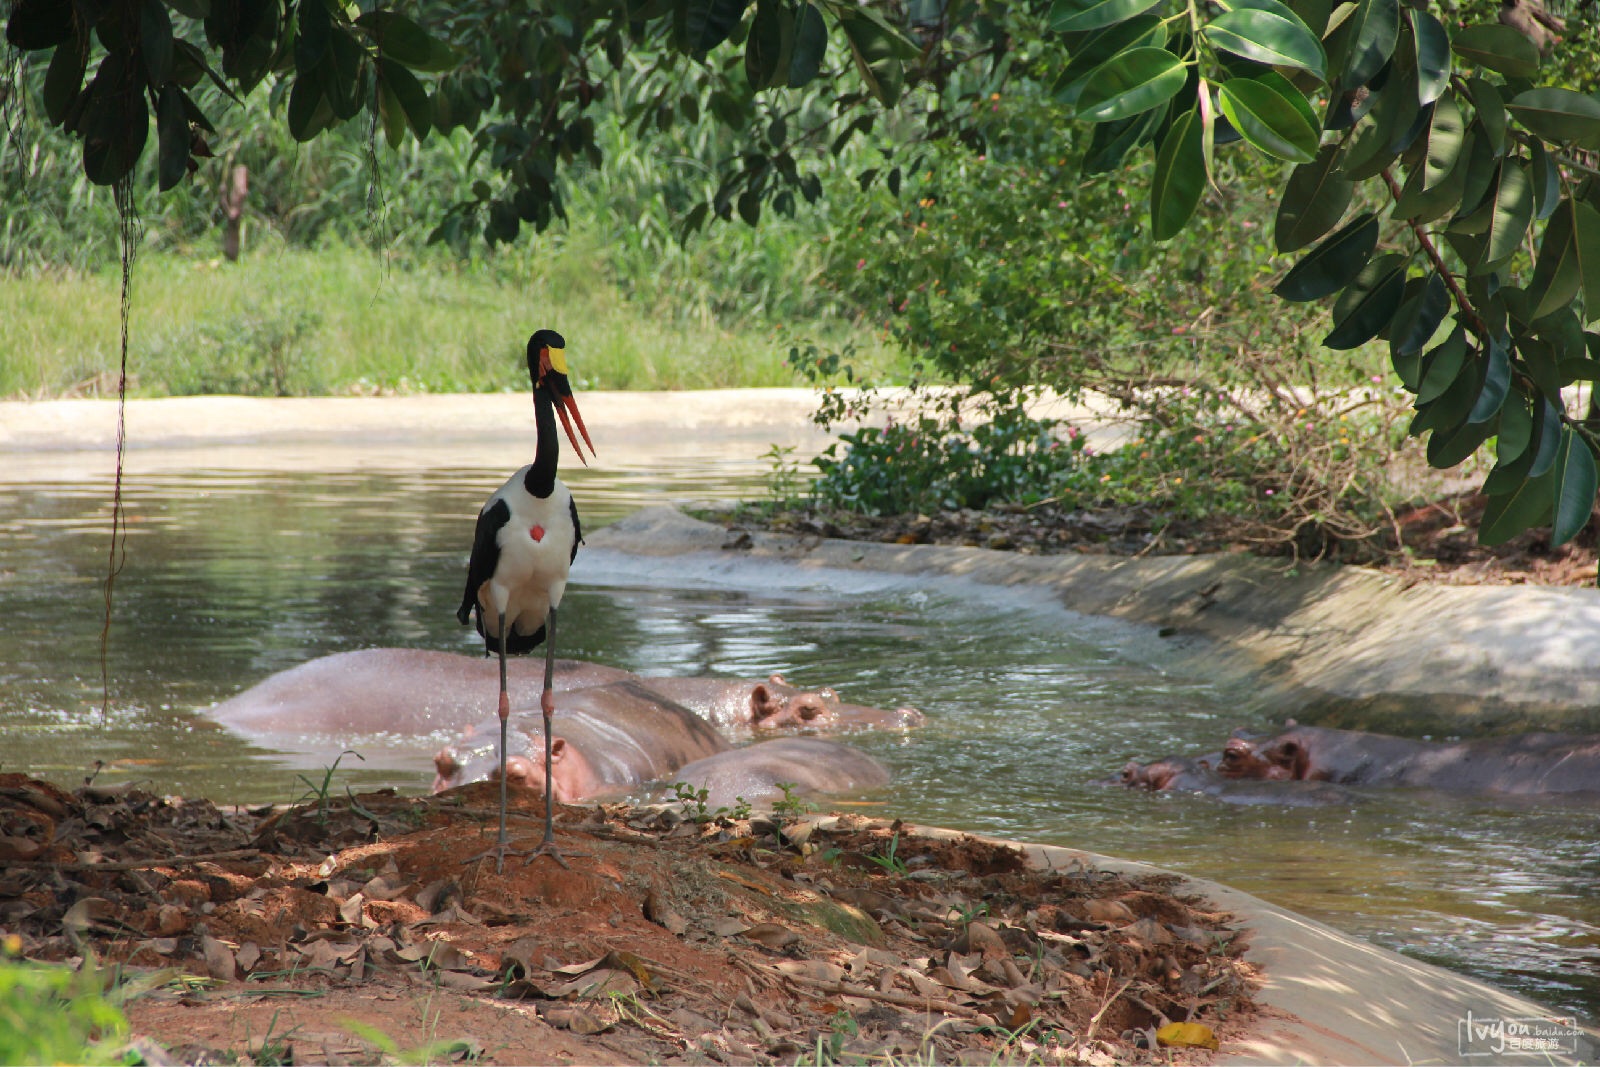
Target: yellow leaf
1186, 1035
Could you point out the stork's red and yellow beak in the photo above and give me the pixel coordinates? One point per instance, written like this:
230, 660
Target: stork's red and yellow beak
553, 368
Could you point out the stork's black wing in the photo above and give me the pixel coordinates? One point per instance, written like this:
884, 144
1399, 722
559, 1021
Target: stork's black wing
577, 529
485, 555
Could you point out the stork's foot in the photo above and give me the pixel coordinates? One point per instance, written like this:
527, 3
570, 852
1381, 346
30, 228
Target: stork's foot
548, 847
500, 851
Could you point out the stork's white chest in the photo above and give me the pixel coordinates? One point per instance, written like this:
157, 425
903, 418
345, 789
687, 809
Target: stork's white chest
536, 543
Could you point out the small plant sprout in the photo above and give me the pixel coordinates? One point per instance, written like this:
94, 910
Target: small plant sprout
890, 861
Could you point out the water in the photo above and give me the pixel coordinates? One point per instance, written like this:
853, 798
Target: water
232, 575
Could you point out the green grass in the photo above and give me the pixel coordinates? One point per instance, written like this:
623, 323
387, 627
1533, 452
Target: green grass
339, 320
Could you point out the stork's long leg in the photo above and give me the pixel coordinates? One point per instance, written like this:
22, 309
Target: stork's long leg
503, 839
547, 705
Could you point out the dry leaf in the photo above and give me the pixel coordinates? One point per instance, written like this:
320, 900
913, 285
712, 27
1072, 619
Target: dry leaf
577, 1020
1110, 911
1186, 1035
818, 970
220, 960
771, 935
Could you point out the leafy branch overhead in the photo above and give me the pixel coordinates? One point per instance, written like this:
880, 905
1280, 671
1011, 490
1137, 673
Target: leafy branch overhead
1443, 194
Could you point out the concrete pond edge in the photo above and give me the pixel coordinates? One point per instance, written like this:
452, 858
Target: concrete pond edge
1354, 638
1342, 646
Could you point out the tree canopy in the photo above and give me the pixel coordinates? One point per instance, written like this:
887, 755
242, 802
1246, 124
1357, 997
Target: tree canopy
1442, 196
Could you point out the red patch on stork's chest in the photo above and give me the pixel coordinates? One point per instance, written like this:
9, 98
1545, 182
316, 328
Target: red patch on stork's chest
536, 532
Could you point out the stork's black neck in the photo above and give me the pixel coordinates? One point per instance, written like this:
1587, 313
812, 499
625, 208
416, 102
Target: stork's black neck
541, 477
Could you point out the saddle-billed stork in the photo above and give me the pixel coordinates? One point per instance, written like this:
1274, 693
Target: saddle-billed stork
522, 550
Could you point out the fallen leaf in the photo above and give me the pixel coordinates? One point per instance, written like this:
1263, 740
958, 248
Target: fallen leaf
577, 1020
772, 935
1110, 911
1186, 1035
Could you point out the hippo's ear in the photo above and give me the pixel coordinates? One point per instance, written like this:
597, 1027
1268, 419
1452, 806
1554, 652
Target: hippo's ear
776, 679
446, 768
763, 705
558, 749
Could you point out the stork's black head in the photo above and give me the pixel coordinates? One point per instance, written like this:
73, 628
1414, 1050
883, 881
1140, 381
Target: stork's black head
547, 366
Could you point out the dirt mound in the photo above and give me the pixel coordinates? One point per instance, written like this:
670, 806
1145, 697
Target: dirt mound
352, 929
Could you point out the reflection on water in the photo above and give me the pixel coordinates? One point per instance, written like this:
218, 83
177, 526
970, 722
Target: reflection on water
230, 577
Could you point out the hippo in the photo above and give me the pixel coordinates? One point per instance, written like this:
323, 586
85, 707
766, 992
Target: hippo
1180, 774
606, 741
807, 764
411, 692
775, 704
1532, 763
403, 691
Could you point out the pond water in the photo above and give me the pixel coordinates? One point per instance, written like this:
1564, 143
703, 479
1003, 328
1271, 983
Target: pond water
232, 575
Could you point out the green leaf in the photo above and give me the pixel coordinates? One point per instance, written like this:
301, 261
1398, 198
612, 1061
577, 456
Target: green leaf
1446, 448
1439, 201
115, 123
1370, 302
704, 24
1419, 317
1496, 383
341, 74
1269, 119
172, 137
312, 27
1313, 202
763, 47
1559, 115
1547, 431
810, 46
1374, 30
1556, 273
63, 80
1491, 112
409, 94
1516, 427
1508, 514
1441, 366
309, 113
1433, 56
1499, 48
36, 24
1130, 83
1112, 141
1278, 40
391, 114
1076, 16
1513, 212
1334, 263
155, 42
1546, 181
1099, 46
1586, 227
1180, 176
400, 38
878, 51
1446, 132
1576, 481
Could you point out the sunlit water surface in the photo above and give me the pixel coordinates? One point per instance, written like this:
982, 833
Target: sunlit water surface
231, 576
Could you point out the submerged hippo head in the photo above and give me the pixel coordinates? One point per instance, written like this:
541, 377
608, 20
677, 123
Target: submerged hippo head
776, 704
472, 760
1173, 772
1242, 758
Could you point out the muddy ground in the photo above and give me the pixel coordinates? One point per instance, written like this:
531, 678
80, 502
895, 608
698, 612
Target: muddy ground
355, 931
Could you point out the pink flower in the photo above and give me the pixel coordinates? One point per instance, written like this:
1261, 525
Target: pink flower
860, 263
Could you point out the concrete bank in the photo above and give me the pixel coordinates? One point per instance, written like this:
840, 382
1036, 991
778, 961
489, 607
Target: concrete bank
1335, 645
